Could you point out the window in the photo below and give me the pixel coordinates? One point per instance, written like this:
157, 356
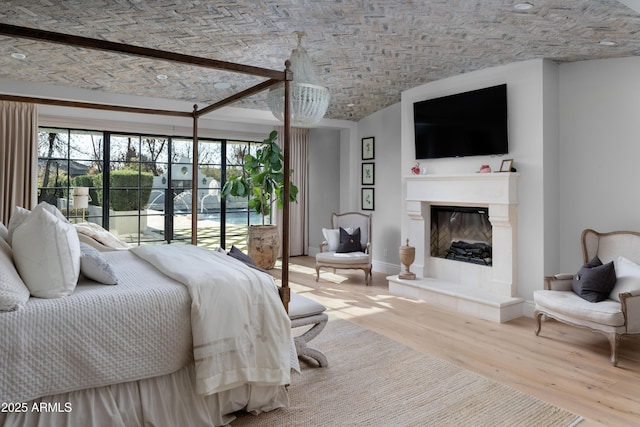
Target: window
146, 182
136, 165
67, 159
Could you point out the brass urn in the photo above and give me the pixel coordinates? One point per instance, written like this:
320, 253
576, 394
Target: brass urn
407, 256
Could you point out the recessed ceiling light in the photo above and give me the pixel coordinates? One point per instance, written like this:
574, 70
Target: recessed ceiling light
162, 77
222, 85
351, 105
522, 6
16, 55
607, 43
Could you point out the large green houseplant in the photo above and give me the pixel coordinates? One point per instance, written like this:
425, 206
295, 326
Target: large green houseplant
262, 180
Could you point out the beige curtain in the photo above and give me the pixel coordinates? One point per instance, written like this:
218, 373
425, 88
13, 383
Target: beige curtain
18, 157
298, 211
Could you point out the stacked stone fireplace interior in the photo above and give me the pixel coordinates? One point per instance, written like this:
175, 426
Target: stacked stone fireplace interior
464, 228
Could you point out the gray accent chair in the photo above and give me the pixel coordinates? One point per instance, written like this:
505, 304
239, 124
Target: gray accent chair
616, 316
361, 260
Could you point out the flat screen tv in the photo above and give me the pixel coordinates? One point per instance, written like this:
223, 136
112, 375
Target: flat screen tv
466, 124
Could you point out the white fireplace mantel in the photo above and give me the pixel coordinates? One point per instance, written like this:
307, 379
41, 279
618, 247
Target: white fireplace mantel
485, 291
471, 189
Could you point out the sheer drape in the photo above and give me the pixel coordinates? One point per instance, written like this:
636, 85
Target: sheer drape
18, 157
298, 211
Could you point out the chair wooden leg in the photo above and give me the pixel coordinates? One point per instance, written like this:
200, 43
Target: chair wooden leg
317, 273
538, 315
614, 340
367, 276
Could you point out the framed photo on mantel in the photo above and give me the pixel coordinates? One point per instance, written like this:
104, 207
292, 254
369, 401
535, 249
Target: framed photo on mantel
506, 165
368, 145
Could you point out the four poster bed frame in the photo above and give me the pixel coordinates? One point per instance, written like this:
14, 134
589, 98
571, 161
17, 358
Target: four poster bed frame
273, 78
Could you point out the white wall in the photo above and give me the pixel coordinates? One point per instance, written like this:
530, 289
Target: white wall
384, 126
324, 183
551, 169
599, 151
527, 129
575, 140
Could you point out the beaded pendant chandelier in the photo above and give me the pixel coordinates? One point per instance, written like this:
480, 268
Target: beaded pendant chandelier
309, 99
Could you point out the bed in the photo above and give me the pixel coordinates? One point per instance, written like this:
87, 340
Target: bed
187, 336
151, 382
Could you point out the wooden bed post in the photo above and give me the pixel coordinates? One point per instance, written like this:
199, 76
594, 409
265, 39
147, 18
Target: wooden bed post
285, 292
194, 180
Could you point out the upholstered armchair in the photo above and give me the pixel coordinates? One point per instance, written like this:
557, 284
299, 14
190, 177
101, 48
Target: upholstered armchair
347, 244
617, 310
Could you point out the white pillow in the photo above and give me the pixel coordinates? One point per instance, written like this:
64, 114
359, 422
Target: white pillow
627, 277
332, 236
13, 293
18, 216
94, 266
46, 252
101, 235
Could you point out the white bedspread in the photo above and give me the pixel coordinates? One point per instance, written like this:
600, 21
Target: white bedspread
241, 332
97, 336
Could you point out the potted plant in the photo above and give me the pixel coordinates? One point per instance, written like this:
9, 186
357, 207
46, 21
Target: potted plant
262, 180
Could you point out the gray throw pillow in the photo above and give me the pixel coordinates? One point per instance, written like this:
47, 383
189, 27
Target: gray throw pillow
241, 256
594, 281
94, 266
349, 242
246, 259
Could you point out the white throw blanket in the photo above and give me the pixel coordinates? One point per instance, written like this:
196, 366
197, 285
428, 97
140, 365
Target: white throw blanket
241, 332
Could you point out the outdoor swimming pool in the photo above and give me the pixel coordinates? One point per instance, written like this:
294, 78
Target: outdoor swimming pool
236, 217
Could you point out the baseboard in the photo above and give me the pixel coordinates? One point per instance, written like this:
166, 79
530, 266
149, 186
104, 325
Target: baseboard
385, 267
528, 308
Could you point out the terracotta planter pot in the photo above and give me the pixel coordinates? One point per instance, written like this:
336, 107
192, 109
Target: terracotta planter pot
263, 245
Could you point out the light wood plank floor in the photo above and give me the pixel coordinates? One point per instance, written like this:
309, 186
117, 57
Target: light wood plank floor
566, 366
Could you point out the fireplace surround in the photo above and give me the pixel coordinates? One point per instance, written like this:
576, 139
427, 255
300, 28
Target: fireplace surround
486, 291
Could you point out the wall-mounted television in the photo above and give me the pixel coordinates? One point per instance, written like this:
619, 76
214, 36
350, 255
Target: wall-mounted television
472, 123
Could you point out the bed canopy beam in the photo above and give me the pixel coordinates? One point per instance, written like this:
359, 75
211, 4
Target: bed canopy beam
274, 77
108, 46
247, 92
94, 106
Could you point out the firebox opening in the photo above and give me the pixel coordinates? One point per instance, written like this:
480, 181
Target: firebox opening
461, 233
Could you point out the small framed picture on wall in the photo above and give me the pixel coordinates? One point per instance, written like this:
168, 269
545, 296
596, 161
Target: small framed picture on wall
367, 199
368, 170
368, 145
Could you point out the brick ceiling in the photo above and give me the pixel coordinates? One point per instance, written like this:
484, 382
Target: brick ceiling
365, 52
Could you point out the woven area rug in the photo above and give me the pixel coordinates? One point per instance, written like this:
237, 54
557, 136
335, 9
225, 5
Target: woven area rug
374, 381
